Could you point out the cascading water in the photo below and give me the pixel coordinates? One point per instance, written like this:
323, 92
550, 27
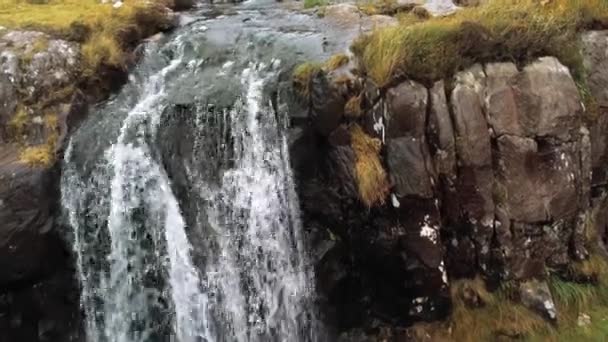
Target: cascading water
216, 254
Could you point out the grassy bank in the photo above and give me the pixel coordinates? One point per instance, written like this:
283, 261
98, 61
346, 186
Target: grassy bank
104, 31
106, 35
502, 30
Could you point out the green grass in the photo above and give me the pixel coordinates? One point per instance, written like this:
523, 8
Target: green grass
502, 30
314, 3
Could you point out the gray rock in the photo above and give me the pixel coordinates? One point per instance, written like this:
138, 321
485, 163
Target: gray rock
549, 99
472, 137
410, 167
537, 297
51, 64
441, 131
595, 58
536, 183
407, 105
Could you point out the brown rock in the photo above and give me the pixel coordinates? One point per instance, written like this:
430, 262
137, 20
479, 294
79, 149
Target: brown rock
537, 183
407, 105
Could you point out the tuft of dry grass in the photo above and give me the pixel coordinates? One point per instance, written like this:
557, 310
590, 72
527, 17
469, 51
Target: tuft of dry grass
352, 108
372, 180
336, 61
41, 155
508, 30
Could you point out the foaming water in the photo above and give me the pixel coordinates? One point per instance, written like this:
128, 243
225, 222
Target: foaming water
221, 258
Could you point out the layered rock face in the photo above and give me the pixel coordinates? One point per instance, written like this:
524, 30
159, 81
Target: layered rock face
497, 172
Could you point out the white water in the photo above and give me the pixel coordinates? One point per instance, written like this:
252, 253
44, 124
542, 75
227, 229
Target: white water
140, 247
261, 272
138, 278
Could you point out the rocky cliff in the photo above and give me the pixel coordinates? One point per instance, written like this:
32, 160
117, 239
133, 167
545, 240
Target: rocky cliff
495, 173
45, 91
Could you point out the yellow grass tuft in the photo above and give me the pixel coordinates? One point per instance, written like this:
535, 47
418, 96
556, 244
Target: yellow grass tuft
336, 61
42, 155
372, 180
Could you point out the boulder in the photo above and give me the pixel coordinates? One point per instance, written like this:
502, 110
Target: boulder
536, 296
28, 248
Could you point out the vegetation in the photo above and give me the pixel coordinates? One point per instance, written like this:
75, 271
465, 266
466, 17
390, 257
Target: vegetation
314, 3
301, 77
509, 30
372, 180
336, 61
102, 29
106, 34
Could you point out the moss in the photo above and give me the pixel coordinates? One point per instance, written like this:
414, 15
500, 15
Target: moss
39, 45
314, 3
42, 155
19, 122
301, 77
336, 61
386, 7
372, 180
500, 30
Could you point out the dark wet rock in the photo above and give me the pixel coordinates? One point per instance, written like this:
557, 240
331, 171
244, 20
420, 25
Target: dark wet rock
27, 248
536, 296
326, 104
8, 105
410, 168
38, 294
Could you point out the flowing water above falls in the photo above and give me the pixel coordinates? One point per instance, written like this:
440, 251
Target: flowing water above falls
180, 197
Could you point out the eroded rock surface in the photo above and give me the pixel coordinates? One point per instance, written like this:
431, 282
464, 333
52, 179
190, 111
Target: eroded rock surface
496, 172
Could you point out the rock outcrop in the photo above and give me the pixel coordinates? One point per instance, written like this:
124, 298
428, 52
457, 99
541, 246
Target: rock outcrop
496, 172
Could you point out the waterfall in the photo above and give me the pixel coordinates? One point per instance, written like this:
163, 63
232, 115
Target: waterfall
136, 248
261, 271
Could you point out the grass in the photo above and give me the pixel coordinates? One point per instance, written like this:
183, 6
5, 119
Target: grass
302, 75
507, 30
314, 3
498, 314
336, 61
102, 28
371, 177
